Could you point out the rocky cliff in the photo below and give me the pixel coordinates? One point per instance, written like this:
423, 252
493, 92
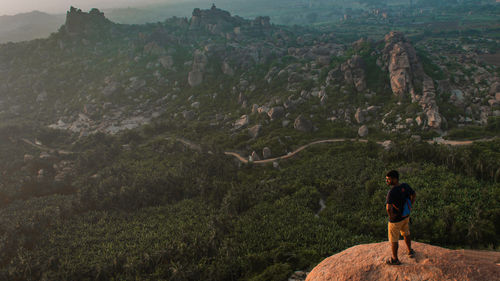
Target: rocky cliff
78, 21
367, 262
408, 78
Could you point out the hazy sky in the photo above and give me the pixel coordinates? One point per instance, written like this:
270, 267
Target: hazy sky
11, 7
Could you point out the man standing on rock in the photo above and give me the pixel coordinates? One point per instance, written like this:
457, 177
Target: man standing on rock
399, 201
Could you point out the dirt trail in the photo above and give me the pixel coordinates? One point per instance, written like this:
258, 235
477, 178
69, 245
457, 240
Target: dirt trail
292, 154
197, 147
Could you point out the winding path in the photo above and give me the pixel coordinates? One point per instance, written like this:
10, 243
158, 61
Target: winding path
245, 160
291, 154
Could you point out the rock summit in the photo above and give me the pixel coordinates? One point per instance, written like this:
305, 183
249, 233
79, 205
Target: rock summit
367, 262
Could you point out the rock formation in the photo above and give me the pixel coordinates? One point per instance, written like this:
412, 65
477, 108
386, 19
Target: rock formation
254, 131
367, 262
241, 122
302, 124
266, 152
200, 61
255, 156
351, 73
354, 73
402, 63
276, 112
214, 20
78, 21
363, 131
407, 76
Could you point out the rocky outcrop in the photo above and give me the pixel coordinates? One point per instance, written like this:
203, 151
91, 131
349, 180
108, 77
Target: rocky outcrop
354, 72
429, 105
407, 76
351, 74
401, 61
367, 263
214, 20
255, 156
78, 21
363, 131
360, 116
276, 112
254, 131
195, 78
302, 124
266, 153
241, 122
200, 61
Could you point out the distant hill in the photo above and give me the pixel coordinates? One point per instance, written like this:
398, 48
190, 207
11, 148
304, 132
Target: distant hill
28, 26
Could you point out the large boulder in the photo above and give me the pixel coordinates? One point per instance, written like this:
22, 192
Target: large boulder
302, 124
276, 112
367, 263
363, 131
195, 78
360, 116
188, 115
200, 60
241, 122
266, 152
433, 118
255, 156
254, 131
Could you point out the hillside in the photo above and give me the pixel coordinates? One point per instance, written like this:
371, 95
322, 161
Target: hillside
235, 73
28, 26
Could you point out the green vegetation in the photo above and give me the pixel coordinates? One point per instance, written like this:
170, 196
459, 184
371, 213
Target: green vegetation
429, 67
162, 211
492, 129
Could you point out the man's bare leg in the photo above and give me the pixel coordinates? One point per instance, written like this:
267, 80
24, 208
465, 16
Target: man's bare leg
411, 253
408, 242
394, 247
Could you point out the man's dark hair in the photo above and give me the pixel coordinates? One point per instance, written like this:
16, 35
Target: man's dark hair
393, 174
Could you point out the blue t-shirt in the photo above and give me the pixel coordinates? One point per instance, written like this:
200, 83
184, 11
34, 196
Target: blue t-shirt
399, 199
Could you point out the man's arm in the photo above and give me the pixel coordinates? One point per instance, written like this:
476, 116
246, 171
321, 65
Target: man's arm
390, 209
413, 197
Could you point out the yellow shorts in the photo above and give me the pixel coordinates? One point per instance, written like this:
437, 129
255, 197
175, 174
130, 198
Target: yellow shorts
395, 228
